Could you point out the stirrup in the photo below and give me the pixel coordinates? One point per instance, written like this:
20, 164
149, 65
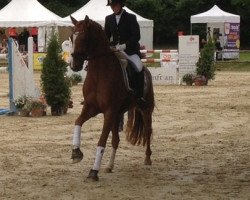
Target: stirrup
77, 155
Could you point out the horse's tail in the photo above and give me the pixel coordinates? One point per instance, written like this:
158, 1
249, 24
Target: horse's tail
135, 130
139, 125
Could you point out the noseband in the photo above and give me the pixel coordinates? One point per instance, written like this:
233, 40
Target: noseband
80, 56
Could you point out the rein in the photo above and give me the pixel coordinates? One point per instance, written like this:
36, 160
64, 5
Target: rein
98, 55
83, 57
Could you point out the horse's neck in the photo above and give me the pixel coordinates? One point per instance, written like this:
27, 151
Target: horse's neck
98, 50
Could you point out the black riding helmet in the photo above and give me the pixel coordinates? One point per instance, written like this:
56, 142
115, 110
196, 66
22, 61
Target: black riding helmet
110, 2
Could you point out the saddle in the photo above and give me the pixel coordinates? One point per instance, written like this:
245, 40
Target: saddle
130, 75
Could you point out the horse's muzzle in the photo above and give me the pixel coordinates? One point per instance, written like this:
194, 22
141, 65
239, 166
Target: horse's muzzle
76, 68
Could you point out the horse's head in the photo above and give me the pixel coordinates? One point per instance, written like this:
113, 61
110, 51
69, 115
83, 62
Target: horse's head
79, 39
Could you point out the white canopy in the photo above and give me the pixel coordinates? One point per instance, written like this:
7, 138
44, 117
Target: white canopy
28, 13
215, 15
97, 11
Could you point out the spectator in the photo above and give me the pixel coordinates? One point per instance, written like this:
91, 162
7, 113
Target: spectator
34, 33
4, 46
21, 42
13, 33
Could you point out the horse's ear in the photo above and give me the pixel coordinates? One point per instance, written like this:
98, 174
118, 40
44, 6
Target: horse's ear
87, 20
74, 21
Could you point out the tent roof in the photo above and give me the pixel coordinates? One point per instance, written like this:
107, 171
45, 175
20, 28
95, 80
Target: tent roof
215, 15
97, 11
25, 13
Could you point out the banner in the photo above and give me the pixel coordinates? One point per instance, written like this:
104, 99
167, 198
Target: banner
232, 35
188, 54
38, 60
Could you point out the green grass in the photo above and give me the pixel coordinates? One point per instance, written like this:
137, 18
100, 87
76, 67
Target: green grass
245, 56
242, 64
233, 66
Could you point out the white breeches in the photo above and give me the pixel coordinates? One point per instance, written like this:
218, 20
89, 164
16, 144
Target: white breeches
136, 60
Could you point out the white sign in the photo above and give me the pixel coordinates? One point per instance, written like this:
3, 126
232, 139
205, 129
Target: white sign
188, 54
165, 75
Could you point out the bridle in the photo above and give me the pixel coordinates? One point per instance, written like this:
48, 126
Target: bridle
79, 56
85, 56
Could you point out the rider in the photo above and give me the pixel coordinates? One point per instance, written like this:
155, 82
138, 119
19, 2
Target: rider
123, 32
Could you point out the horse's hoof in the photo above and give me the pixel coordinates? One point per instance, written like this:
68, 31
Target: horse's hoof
108, 170
93, 175
77, 155
147, 161
76, 161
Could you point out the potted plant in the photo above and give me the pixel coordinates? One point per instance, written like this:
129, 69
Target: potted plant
54, 85
200, 80
188, 79
21, 104
37, 108
205, 66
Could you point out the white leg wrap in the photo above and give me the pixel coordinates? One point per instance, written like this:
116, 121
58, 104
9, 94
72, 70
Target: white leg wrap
98, 158
112, 159
77, 137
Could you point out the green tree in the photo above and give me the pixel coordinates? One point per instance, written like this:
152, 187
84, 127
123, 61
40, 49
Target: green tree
3, 3
63, 8
242, 7
205, 64
53, 82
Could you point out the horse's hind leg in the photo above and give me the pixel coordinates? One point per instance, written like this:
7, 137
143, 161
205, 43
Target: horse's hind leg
115, 143
87, 113
148, 129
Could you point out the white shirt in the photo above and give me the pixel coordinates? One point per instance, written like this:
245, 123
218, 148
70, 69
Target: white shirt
118, 17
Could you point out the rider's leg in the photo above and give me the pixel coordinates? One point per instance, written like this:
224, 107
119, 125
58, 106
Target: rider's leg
139, 78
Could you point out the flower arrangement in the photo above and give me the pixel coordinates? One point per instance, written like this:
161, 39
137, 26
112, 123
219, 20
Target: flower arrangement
200, 80
21, 102
36, 104
188, 79
26, 105
38, 107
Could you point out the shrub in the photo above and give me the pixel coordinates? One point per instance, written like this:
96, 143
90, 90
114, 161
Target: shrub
55, 87
205, 64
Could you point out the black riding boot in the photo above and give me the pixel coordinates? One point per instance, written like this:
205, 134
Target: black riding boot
140, 88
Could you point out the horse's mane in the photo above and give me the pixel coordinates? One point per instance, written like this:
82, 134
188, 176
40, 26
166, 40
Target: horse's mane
97, 33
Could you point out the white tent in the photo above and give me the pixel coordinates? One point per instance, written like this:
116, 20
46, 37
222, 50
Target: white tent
225, 26
215, 15
28, 13
97, 11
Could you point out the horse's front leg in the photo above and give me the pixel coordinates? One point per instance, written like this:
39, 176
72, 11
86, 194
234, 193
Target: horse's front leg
115, 142
109, 120
86, 114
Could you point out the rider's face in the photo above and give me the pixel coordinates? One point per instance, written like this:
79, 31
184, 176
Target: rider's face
116, 8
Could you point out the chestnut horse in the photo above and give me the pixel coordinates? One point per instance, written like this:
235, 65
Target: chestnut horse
105, 91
